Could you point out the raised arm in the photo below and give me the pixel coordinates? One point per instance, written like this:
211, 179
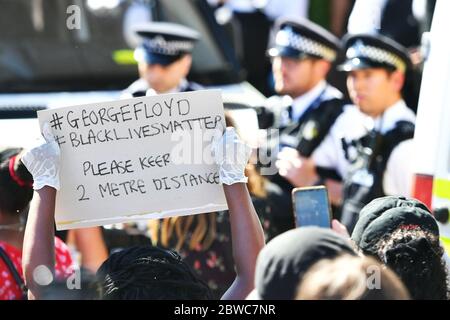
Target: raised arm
246, 231
91, 245
247, 240
38, 254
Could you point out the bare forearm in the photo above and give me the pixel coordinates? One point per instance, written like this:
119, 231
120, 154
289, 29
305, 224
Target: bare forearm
247, 239
39, 242
90, 244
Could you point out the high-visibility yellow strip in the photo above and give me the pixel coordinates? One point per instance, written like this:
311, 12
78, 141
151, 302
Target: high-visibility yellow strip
441, 188
446, 242
124, 57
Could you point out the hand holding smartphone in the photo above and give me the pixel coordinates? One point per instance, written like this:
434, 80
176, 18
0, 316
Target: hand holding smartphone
311, 207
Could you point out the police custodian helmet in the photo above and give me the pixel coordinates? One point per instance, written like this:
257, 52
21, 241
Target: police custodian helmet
164, 43
300, 38
364, 51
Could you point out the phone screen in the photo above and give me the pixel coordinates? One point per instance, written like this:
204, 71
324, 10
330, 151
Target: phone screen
312, 207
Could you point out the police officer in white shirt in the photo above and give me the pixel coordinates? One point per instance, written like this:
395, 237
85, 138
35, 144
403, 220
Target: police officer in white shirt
164, 59
313, 125
381, 160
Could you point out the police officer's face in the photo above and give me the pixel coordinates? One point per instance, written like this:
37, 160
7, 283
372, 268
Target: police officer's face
295, 77
165, 78
374, 90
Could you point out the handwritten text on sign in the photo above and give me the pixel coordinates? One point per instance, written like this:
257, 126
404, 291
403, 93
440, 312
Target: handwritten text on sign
136, 159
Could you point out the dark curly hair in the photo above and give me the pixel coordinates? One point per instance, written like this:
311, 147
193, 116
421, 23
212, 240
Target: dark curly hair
149, 273
417, 258
16, 182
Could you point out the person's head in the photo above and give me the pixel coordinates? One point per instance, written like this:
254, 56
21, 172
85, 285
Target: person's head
283, 262
302, 55
163, 78
152, 273
376, 68
403, 234
16, 183
351, 278
164, 57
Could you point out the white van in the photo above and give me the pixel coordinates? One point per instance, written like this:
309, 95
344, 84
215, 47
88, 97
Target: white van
432, 136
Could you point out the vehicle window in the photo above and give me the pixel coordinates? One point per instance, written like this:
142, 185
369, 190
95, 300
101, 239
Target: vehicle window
39, 53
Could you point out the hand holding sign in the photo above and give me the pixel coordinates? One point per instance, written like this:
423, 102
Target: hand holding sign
43, 161
232, 155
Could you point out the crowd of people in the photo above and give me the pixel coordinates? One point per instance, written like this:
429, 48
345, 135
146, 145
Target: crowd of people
383, 244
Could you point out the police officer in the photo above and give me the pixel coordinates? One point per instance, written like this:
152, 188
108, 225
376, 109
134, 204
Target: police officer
164, 59
311, 126
381, 159
403, 21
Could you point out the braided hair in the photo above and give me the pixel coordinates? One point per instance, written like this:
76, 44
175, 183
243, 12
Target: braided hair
148, 272
417, 258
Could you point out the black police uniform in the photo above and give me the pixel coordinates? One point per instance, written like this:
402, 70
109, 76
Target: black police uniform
163, 43
370, 154
307, 133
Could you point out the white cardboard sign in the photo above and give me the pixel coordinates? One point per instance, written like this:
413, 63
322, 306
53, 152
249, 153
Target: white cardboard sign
137, 159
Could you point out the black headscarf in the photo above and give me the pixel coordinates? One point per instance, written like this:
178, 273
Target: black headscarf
382, 216
283, 262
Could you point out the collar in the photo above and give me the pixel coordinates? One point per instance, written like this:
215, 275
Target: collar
302, 103
180, 88
397, 112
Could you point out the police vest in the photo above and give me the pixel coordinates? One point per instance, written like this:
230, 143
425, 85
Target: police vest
312, 128
307, 134
365, 181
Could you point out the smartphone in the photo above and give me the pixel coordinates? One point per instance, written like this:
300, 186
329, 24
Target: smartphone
312, 207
